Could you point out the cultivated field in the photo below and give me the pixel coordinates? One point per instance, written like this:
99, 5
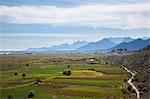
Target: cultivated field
42, 77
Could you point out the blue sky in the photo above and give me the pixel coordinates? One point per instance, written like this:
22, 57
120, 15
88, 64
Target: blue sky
43, 23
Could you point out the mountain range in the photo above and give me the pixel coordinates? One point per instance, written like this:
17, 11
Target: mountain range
100, 45
106, 44
61, 47
120, 39
133, 45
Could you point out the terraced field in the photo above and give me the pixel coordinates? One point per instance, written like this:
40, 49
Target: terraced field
86, 81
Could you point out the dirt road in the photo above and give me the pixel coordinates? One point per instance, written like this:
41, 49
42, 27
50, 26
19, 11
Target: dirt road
130, 82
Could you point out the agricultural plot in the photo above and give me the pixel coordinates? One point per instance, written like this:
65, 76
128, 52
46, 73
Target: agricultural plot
47, 81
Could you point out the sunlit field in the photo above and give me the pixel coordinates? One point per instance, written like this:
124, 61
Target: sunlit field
43, 76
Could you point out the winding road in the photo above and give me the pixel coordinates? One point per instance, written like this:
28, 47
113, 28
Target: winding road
130, 82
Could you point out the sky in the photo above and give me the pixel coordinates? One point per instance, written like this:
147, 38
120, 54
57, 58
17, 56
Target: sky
44, 23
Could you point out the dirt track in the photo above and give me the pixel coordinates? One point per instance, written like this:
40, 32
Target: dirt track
130, 82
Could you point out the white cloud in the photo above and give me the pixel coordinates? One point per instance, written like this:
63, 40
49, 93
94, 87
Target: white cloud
127, 16
52, 35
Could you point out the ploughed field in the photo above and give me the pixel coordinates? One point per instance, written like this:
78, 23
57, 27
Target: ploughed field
47, 81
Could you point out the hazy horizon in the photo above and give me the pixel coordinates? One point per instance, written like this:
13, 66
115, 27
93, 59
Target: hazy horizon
68, 43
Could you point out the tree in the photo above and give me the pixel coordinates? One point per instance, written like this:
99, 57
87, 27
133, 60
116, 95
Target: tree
27, 65
129, 88
10, 97
15, 73
23, 75
91, 69
68, 73
31, 94
68, 66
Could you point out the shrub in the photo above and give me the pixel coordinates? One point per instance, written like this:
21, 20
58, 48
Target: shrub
23, 75
129, 88
16, 74
31, 94
91, 69
27, 65
10, 97
133, 91
68, 73
68, 66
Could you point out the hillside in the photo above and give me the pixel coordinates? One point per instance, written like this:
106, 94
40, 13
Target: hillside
100, 45
120, 39
104, 44
133, 45
137, 62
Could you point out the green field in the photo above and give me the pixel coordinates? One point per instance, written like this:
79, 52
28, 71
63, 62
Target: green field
86, 81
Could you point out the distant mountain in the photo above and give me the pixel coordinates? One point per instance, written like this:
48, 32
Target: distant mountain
100, 45
61, 47
120, 39
106, 43
145, 38
73, 46
133, 45
41, 49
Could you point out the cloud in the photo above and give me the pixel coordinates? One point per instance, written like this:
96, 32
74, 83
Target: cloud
52, 35
127, 16
67, 3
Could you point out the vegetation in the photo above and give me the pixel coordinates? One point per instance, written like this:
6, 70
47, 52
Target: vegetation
68, 73
139, 63
11, 97
23, 75
31, 94
50, 76
15, 73
95, 89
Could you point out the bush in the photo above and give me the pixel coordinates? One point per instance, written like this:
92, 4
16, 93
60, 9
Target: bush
129, 88
68, 73
27, 65
133, 91
91, 69
23, 75
68, 66
15, 74
10, 97
31, 94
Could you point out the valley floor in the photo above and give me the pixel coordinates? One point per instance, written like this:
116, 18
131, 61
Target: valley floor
47, 81
83, 82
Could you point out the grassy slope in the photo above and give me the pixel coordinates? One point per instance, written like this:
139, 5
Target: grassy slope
47, 72
95, 89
